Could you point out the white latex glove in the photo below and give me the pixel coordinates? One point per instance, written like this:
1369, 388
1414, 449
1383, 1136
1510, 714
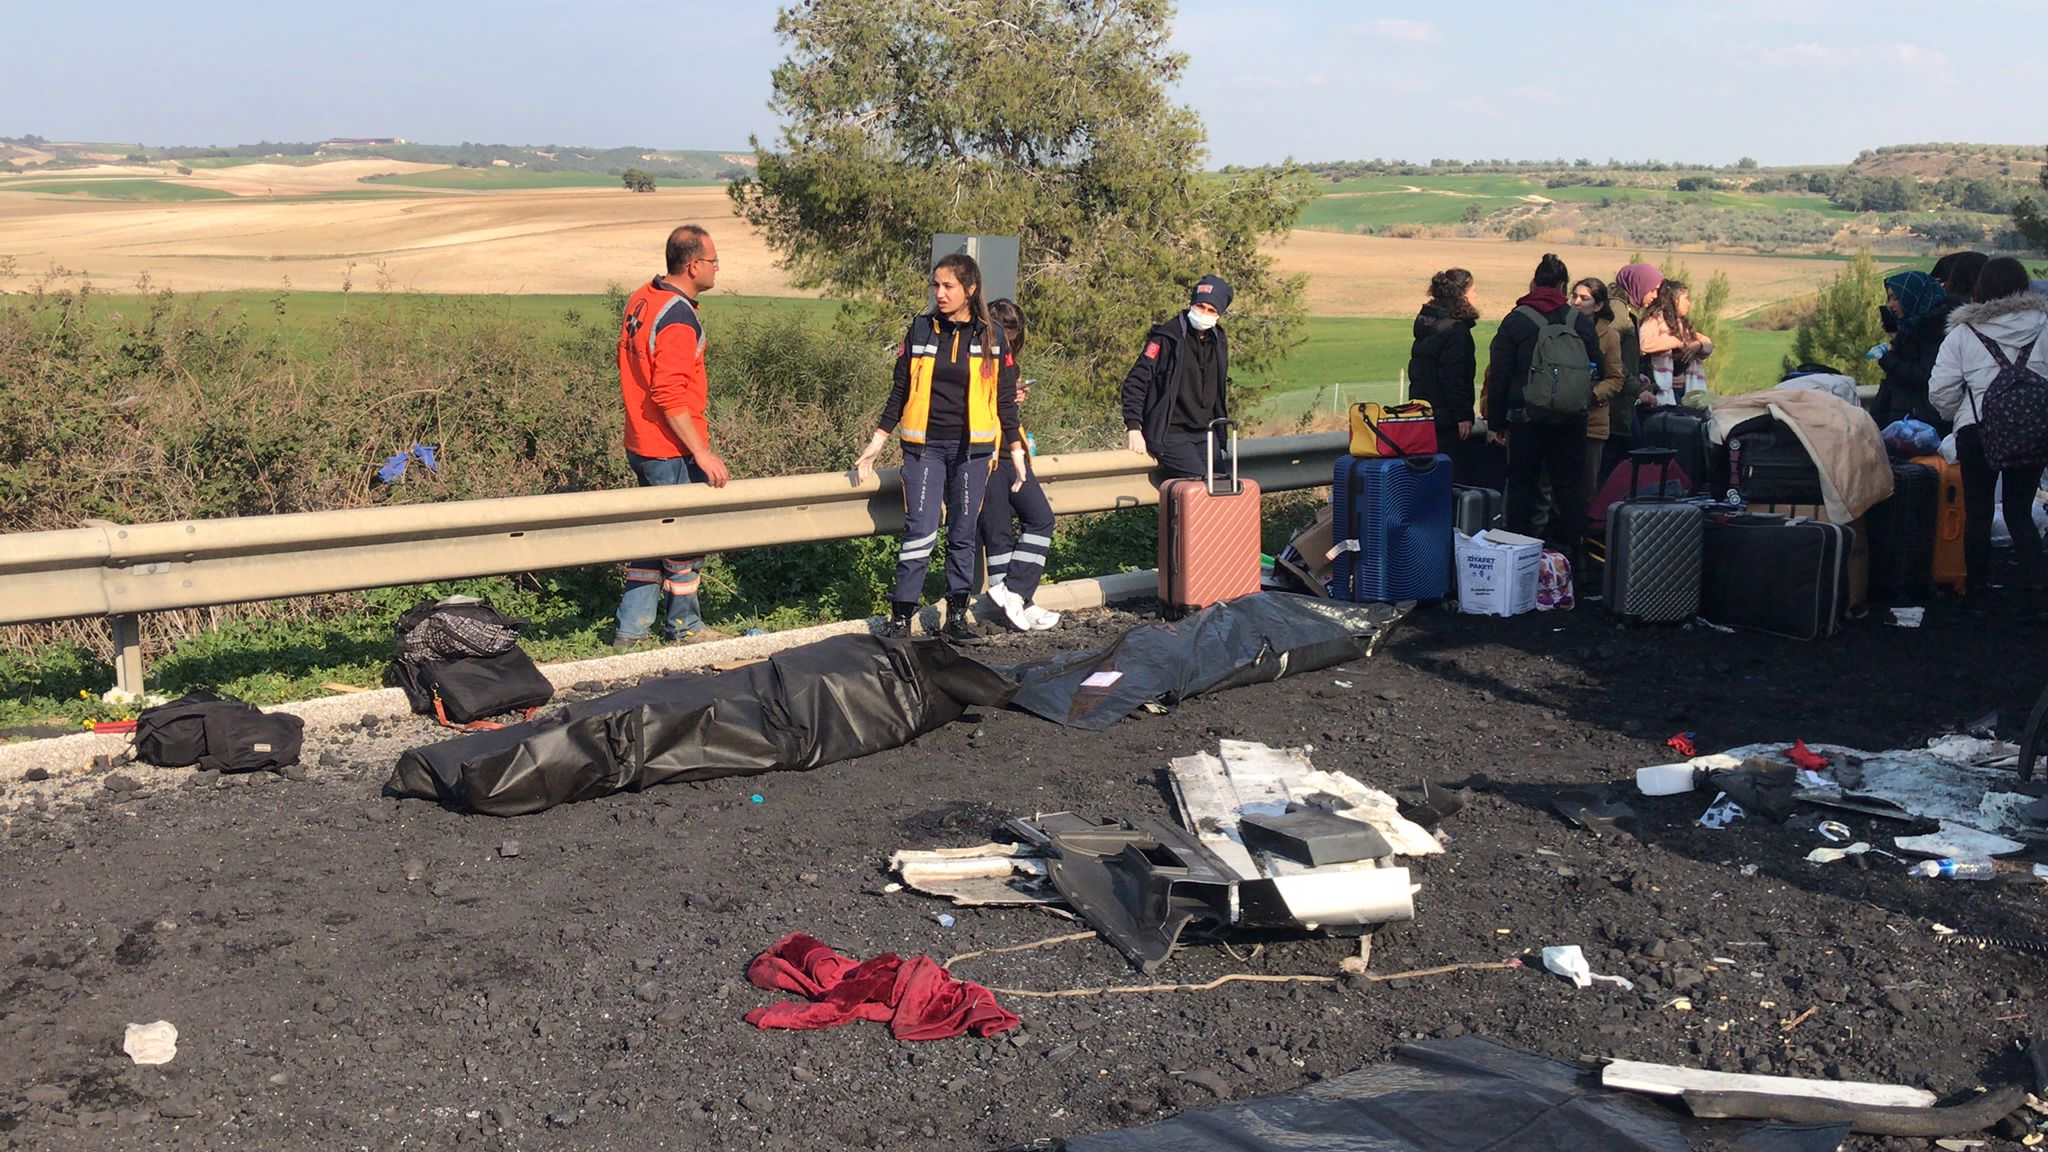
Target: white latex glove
1017, 469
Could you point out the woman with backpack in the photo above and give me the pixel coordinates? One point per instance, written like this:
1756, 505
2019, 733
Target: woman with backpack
954, 399
1443, 363
1989, 377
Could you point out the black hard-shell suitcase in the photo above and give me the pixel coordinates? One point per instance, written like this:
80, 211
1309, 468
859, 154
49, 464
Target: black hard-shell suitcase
1786, 577
1768, 464
1684, 431
1653, 551
1475, 509
1902, 530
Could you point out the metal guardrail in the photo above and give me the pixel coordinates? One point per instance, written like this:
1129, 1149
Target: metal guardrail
119, 571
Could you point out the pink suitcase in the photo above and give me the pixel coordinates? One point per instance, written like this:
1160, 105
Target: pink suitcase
1208, 536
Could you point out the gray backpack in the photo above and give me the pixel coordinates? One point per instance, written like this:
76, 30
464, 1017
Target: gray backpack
1560, 376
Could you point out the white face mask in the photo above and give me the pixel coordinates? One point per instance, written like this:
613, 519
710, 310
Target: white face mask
1201, 321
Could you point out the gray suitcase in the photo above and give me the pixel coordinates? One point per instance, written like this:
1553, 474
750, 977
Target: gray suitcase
1474, 509
1653, 552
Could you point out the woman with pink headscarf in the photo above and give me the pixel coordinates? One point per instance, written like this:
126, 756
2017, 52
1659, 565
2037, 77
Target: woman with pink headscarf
1635, 289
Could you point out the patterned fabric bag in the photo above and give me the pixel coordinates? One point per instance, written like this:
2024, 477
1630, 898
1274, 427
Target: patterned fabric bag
1554, 583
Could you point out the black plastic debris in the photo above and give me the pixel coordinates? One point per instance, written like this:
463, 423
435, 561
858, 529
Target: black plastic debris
818, 704
1139, 885
1313, 837
1250, 640
1597, 809
1464, 1095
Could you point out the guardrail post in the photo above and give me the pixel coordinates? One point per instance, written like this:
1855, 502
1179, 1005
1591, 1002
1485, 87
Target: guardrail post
127, 631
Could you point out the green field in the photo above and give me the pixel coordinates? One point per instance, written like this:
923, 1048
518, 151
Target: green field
116, 188
1356, 352
1349, 359
1387, 201
512, 180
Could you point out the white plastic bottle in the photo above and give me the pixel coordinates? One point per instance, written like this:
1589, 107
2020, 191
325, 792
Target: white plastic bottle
1967, 868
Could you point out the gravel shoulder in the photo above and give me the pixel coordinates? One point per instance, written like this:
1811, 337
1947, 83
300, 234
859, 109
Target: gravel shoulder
349, 970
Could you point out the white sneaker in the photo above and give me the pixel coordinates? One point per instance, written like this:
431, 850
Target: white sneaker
1042, 619
1013, 606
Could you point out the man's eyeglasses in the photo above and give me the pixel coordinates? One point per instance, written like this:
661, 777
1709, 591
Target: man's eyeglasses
713, 261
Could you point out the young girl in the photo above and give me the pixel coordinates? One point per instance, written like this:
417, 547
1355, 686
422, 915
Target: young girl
1672, 348
955, 397
1016, 560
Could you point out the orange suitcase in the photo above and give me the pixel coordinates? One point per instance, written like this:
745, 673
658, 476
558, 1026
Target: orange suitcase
1949, 569
1208, 536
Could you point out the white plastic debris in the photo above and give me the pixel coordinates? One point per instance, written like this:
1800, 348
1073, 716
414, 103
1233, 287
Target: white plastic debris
1830, 855
1908, 617
151, 1043
1957, 840
1721, 813
1569, 961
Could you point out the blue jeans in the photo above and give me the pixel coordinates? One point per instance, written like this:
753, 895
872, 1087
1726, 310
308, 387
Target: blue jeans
676, 576
951, 476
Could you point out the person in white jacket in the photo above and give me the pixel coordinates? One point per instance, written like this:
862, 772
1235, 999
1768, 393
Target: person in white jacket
2010, 314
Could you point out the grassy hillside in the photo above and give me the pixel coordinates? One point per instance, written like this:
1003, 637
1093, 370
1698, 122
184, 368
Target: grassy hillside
511, 179
116, 189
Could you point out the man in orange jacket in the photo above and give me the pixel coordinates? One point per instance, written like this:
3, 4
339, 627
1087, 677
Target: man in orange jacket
668, 438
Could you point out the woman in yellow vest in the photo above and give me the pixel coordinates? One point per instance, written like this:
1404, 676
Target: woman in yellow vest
954, 399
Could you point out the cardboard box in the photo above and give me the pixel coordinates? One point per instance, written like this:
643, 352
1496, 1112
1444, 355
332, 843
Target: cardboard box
1497, 572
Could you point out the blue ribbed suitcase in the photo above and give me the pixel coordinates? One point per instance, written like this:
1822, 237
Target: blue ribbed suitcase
1392, 520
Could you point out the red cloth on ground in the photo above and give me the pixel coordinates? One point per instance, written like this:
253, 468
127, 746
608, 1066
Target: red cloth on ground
918, 999
1805, 757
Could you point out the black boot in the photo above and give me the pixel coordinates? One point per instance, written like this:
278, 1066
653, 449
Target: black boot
900, 612
957, 629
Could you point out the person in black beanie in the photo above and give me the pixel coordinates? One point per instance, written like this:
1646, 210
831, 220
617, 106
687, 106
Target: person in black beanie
1181, 384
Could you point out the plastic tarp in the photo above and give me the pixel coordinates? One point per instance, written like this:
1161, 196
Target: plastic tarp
1249, 640
818, 704
1462, 1095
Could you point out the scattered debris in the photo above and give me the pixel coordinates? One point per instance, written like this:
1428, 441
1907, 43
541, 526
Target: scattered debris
1672, 1080
1460, 1095
1569, 961
155, 1043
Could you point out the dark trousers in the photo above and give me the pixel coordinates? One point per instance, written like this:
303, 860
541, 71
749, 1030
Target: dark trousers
951, 477
1979, 480
1183, 457
1558, 449
1015, 558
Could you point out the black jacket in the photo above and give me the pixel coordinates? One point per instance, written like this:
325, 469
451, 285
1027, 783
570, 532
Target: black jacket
1443, 365
1509, 356
1149, 388
1908, 364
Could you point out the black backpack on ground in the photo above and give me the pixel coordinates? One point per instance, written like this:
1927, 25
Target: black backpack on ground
459, 661
218, 734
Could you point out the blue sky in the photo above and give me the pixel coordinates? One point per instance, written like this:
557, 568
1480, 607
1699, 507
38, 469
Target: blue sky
1784, 81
